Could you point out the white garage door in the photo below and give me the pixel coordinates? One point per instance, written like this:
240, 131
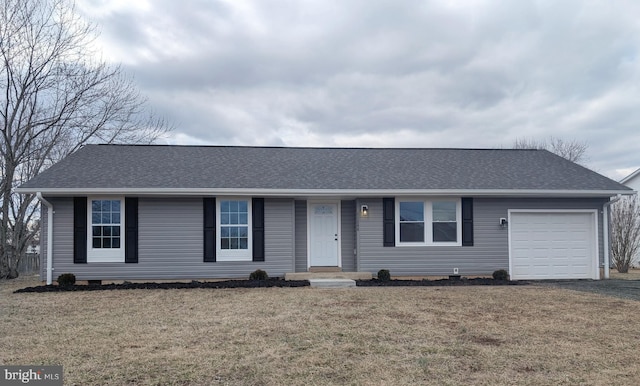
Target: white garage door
553, 245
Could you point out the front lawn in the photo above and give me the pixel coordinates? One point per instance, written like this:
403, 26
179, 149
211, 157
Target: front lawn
633, 274
305, 336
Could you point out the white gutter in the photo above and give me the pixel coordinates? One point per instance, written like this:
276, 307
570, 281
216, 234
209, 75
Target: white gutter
605, 236
49, 237
281, 192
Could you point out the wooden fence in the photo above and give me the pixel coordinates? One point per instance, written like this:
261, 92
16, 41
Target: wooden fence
29, 264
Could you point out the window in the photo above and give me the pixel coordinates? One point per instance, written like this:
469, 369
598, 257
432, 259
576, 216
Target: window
234, 230
234, 225
428, 222
105, 236
444, 221
411, 222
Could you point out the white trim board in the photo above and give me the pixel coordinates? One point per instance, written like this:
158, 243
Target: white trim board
325, 193
630, 176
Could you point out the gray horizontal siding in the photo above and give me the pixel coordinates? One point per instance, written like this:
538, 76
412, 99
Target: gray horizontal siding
44, 232
279, 236
489, 252
348, 235
170, 238
301, 236
62, 237
171, 243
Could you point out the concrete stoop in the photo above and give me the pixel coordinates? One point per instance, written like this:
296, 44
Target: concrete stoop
332, 283
328, 275
325, 269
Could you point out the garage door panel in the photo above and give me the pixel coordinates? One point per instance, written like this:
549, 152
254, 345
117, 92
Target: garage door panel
552, 245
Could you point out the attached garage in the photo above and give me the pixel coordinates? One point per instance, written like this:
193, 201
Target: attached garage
553, 244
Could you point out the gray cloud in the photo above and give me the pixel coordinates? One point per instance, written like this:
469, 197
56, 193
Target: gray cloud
388, 73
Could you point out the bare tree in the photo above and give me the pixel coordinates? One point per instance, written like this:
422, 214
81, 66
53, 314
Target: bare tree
625, 232
55, 97
573, 150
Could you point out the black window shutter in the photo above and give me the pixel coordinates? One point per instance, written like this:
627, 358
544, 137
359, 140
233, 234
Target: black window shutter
209, 205
467, 221
389, 221
79, 230
257, 207
131, 229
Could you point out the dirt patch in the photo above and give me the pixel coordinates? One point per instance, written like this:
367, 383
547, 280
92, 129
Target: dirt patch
486, 340
441, 282
194, 284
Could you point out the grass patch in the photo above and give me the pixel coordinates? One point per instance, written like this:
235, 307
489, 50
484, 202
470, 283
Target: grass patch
304, 336
633, 274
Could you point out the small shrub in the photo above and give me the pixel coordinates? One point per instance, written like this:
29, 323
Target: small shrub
258, 274
66, 279
501, 274
384, 275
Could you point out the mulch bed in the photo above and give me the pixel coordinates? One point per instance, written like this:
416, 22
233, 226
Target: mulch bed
441, 282
266, 284
193, 284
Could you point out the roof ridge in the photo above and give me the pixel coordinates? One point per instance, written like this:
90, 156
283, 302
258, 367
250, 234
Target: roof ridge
310, 147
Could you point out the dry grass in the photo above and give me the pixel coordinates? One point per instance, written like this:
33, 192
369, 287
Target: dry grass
633, 274
303, 336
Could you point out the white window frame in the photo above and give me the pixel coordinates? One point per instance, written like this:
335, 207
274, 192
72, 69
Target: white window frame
428, 221
234, 254
424, 221
104, 255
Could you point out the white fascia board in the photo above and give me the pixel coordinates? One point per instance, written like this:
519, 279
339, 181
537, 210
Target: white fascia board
325, 192
630, 177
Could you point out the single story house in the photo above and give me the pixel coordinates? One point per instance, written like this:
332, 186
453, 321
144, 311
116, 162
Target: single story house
130, 212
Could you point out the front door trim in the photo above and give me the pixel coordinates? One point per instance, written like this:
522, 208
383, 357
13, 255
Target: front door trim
338, 204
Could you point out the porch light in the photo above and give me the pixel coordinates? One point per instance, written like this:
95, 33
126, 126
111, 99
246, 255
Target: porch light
364, 210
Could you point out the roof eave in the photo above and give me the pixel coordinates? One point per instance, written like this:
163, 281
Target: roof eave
324, 192
630, 176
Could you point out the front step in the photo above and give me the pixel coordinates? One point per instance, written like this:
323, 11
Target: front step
332, 283
325, 269
328, 275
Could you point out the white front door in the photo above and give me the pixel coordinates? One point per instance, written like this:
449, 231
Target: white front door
323, 235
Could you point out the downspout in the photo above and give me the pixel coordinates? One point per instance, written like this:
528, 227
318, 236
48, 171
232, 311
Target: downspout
605, 230
49, 237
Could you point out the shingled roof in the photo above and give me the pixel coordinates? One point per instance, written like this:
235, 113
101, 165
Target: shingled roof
157, 168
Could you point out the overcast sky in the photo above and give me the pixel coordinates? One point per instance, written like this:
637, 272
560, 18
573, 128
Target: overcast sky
369, 73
